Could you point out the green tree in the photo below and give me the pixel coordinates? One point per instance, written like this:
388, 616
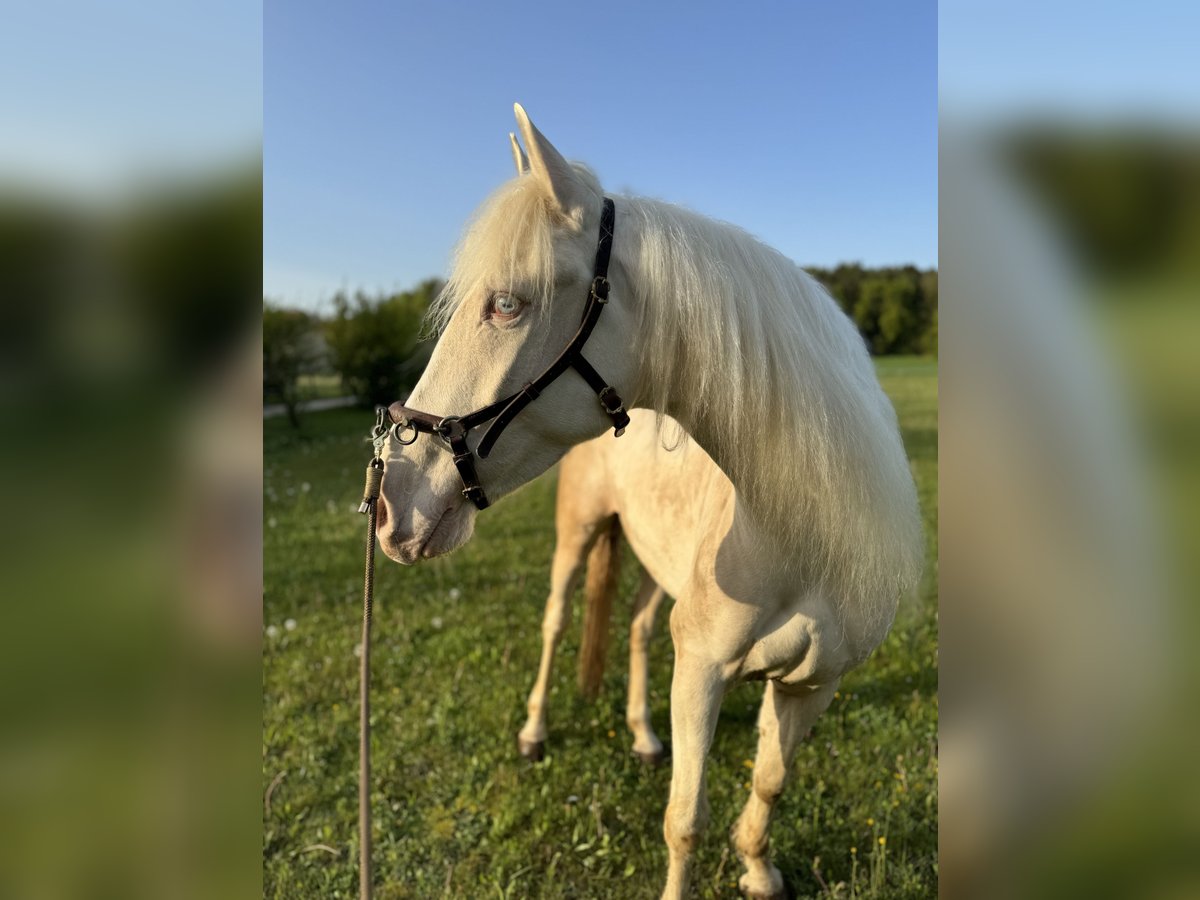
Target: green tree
867, 308
375, 342
898, 314
291, 348
928, 341
894, 308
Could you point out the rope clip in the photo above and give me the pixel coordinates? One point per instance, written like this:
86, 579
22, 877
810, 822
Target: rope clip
379, 435
380, 432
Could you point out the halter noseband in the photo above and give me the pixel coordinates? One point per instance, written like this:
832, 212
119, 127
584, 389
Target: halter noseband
454, 429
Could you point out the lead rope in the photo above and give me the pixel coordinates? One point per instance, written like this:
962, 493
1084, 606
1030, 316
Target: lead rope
368, 506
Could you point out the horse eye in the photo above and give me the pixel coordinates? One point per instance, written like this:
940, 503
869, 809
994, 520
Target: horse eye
505, 305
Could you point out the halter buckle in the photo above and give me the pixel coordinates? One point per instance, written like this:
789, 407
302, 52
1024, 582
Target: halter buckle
475, 494
616, 411
600, 286
617, 406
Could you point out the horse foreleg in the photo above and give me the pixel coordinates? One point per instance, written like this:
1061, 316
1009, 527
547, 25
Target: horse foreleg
783, 721
697, 688
637, 712
569, 555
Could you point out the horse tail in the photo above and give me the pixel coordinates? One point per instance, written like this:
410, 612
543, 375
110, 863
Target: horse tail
603, 567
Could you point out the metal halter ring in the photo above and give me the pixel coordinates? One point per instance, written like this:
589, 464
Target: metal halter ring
451, 428
397, 430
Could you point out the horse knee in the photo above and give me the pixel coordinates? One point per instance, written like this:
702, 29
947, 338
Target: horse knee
682, 827
768, 787
553, 625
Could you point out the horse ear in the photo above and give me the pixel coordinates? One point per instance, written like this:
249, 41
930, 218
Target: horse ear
518, 155
548, 166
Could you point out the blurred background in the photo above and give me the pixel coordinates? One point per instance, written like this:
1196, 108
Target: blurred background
130, 250
130, 255
1070, 250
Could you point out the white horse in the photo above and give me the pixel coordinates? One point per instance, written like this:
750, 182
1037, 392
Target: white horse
790, 538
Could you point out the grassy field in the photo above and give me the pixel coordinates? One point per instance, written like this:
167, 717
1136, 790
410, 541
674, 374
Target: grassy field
457, 813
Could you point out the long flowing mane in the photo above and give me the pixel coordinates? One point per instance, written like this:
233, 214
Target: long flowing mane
785, 389
743, 344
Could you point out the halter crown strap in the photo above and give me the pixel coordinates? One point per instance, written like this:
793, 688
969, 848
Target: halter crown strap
454, 429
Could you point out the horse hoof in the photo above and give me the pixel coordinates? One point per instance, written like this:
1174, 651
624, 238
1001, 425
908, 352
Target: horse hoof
784, 892
654, 758
534, 751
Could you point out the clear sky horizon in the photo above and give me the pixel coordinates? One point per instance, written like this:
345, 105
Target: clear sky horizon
813, 126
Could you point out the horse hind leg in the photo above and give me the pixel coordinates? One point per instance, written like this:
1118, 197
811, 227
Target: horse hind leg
646, 744
783, 720
575, 535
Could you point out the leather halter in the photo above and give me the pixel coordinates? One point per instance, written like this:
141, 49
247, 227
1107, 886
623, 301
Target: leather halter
454, 429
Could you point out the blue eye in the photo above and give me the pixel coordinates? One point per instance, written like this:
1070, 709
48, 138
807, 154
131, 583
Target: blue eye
505, 305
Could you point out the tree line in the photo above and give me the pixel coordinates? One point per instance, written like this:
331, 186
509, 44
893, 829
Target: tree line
375, 343
372, 343
895, 308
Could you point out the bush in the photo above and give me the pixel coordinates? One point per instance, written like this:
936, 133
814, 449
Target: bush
375, 342
291, 348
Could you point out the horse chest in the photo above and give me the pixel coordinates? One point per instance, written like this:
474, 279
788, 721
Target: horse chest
794, 651
777, 651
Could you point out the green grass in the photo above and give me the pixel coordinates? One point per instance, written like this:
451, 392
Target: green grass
457, 813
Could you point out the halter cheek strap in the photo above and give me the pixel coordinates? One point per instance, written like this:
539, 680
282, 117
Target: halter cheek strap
408, 423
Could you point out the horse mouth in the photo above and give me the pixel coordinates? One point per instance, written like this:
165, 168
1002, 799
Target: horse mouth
453, 529
449, 531
429, 547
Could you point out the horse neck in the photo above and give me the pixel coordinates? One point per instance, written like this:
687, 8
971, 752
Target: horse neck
701, 396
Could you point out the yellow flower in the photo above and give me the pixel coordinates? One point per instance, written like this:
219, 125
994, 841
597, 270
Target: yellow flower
882, 840
611, 733
870, 822
854, 851
748, 763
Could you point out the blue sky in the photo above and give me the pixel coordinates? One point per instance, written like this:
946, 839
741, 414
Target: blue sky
100, 98
1008, 60
812, 125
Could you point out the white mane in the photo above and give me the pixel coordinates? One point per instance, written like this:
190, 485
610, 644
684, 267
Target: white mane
780, 381
745, 346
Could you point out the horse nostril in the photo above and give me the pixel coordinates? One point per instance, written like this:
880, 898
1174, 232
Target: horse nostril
381, 513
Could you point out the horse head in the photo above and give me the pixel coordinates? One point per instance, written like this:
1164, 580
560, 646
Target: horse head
524, 275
